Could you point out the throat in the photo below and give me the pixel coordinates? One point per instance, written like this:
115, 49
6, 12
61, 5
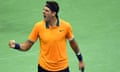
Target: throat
53, 23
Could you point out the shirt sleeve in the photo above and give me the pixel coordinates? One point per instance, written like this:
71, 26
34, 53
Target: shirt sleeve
69, 35
34, 34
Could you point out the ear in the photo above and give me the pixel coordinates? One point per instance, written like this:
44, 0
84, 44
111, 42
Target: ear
53, 13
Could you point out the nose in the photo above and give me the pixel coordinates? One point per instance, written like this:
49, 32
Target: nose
43, 11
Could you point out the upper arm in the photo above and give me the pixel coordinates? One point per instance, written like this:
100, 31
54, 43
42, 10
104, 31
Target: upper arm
34, 34
69, 33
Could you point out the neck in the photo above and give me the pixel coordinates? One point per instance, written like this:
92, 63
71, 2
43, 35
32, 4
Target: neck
53, 21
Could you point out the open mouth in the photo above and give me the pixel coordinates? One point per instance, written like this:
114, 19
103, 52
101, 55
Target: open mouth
44, 16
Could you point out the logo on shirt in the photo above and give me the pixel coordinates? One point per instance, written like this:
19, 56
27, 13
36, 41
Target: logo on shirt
61, 30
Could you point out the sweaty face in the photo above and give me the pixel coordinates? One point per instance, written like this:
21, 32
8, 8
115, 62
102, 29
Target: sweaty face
47, 14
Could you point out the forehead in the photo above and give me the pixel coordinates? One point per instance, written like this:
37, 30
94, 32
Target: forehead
46, 8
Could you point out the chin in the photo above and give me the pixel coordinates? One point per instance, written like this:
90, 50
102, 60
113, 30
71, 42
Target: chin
45, 20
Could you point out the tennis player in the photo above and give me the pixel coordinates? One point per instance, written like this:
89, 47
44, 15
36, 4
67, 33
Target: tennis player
53, 34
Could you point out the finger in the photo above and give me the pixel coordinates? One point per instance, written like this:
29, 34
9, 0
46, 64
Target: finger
12, 43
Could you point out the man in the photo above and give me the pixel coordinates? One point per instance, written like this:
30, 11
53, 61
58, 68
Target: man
52, 33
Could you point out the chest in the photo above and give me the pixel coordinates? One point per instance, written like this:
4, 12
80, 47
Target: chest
53, 34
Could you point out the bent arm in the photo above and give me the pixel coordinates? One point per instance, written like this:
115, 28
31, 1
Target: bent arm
26, 45
22, 46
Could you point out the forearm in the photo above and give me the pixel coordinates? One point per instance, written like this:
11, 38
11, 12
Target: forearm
74, 46
24, 46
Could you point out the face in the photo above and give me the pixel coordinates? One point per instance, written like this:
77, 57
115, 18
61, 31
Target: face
48, 14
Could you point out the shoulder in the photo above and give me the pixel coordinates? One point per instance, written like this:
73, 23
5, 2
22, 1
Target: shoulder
65, 23
40, 23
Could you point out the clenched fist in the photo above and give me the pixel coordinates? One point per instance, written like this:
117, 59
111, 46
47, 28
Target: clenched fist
12, 43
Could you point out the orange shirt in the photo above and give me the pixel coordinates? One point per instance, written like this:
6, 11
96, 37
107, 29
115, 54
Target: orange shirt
53, 54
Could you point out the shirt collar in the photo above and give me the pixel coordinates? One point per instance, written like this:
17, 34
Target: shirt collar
47, 25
